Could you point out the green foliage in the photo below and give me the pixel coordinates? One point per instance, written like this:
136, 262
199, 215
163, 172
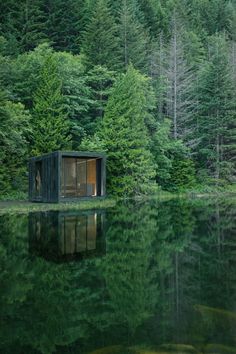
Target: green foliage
61, 61
93, 143
14, 129
175, 170
50, 127
182, 174
100, 43
130, 166
65, 22
133, 37
216, 113
100, 80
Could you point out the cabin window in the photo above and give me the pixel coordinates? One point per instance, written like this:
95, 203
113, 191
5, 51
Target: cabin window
79, 177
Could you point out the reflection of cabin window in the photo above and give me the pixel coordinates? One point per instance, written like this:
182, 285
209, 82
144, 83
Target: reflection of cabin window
38, 178
79, 234
79, 177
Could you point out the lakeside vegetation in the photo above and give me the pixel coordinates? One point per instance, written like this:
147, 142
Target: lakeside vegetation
23, 207
150, 83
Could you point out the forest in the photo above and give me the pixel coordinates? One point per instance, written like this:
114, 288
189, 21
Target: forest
152, 83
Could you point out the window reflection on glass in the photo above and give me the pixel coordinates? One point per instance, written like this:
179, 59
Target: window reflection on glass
79, 177
91, 178
79, 234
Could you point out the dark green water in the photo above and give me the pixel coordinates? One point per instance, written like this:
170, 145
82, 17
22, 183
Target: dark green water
140, 278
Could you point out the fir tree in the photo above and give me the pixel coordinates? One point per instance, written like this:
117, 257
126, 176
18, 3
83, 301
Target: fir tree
100, 81
217, 113
133, 36
130, 166
24, 24
65, 24
33, 20
50, 125
100, 42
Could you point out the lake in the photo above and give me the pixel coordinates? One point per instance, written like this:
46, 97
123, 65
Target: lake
142, 277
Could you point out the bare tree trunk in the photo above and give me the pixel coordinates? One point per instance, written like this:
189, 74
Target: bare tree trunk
125, 38
175, 88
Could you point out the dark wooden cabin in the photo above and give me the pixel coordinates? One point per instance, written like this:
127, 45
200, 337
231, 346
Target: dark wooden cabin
67, 176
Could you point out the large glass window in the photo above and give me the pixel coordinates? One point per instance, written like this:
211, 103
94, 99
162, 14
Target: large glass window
79, 177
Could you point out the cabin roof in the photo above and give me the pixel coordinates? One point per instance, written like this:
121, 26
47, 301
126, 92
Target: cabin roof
70, 154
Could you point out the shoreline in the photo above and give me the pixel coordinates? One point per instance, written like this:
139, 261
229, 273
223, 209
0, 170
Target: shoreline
24, 206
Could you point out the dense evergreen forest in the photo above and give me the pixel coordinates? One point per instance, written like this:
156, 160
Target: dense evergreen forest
150, 82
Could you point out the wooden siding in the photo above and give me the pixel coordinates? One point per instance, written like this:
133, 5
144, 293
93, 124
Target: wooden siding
51, 165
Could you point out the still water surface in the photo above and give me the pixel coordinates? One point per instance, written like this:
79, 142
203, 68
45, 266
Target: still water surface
153, 277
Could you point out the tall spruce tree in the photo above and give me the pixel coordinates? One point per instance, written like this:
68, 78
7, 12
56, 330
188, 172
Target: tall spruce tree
23, 24
100, 41
33, 21
134, 38
217, 113
65, 24
50, 125
130, 165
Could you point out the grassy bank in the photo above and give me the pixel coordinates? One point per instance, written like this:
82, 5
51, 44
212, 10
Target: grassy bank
25, 206
18, 203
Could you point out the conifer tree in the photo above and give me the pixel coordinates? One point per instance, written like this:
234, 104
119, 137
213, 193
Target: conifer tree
134, 38
155, 19
33, 22
100, 41
217, 113
65, 24
50, 125
24, 24
100, 81
130, 166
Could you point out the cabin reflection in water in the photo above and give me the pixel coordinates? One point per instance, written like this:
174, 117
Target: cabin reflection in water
59, 235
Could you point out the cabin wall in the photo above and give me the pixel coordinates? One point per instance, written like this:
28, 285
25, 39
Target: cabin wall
45, 176
49, 179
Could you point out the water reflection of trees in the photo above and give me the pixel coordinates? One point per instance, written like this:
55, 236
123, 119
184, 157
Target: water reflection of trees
168, 276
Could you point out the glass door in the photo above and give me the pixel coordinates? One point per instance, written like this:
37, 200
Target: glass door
81, 174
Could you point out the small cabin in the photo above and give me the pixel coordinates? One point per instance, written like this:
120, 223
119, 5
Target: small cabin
67, 176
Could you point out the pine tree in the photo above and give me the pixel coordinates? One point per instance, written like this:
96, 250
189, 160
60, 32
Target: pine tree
157, 72
24, 24
33, 24
155, 17
130, 166
50, 125
65, 24
175, 169
133, 36
100, 41
217, 113
100, 81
